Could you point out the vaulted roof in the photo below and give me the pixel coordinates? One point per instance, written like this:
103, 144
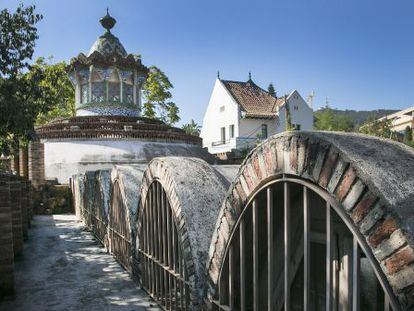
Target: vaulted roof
252, 99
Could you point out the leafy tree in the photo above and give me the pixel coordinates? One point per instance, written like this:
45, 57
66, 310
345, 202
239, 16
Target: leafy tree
57, 93
408, 135
271, 90
375, 127
35, 97
192, 128
18, 34
157, 95
17, 38
327, 120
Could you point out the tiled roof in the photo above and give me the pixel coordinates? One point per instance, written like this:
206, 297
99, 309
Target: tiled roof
256, 102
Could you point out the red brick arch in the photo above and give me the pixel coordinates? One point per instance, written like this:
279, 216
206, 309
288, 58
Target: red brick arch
337, 164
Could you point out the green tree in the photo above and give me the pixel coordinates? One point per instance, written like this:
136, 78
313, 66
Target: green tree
375, 127
17, 38
37, 96
57, 93
271, 90
192, 128
18, 34
326, 120
158, 96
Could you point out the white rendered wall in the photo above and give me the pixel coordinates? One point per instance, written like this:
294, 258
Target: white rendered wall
303, 115
214, 119
66, 158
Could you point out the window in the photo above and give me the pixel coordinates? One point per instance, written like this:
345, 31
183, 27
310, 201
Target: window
223, 135
296, 127
113, 91
295, 107
98, 92
128, 96
84, 93
264, 131
222, 108
231, 131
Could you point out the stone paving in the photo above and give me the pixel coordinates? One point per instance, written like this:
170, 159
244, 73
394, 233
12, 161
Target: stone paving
64, 268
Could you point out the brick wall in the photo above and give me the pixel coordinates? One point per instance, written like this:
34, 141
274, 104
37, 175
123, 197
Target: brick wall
23, 164
24, 204
16, 211
6, 240
36, 161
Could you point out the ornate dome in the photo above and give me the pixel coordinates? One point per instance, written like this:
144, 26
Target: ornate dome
109, 80
108, 44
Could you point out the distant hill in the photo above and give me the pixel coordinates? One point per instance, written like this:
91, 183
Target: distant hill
359, 116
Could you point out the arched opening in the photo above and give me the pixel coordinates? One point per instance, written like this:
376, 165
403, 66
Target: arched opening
162, 264
294, 248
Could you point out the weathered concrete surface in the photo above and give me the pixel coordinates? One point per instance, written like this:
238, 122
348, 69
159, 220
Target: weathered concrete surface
130, 178
64, 268
229, 172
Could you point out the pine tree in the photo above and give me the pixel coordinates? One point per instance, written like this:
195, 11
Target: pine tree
271, 90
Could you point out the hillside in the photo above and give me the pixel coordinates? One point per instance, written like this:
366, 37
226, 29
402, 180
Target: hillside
359, 116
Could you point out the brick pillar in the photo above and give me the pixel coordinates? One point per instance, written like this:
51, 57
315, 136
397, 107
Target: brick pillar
29, 203
24, 202
15, 194
36, 163
6, 240
15, 162
23, 160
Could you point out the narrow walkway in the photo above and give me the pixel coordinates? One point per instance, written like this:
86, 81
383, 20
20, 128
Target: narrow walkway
64, 268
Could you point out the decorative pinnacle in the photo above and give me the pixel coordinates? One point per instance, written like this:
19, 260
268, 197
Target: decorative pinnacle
218, 74
107, 22
250, 75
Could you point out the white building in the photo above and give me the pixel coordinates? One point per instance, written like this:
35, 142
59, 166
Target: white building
241, 113
401, 119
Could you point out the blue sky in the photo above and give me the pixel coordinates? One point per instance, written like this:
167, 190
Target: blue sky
359, 54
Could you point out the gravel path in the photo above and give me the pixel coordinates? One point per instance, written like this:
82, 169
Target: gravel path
64, 268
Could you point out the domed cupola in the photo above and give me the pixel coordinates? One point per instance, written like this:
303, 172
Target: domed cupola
109, 80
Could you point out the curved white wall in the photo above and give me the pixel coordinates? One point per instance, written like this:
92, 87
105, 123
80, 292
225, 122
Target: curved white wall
66, 158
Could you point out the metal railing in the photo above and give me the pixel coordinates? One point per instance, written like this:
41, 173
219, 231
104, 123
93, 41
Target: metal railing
162, 265
293, 248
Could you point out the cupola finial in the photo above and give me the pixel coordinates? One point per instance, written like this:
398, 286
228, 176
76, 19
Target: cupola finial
218, 74
107, 22
250, 75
